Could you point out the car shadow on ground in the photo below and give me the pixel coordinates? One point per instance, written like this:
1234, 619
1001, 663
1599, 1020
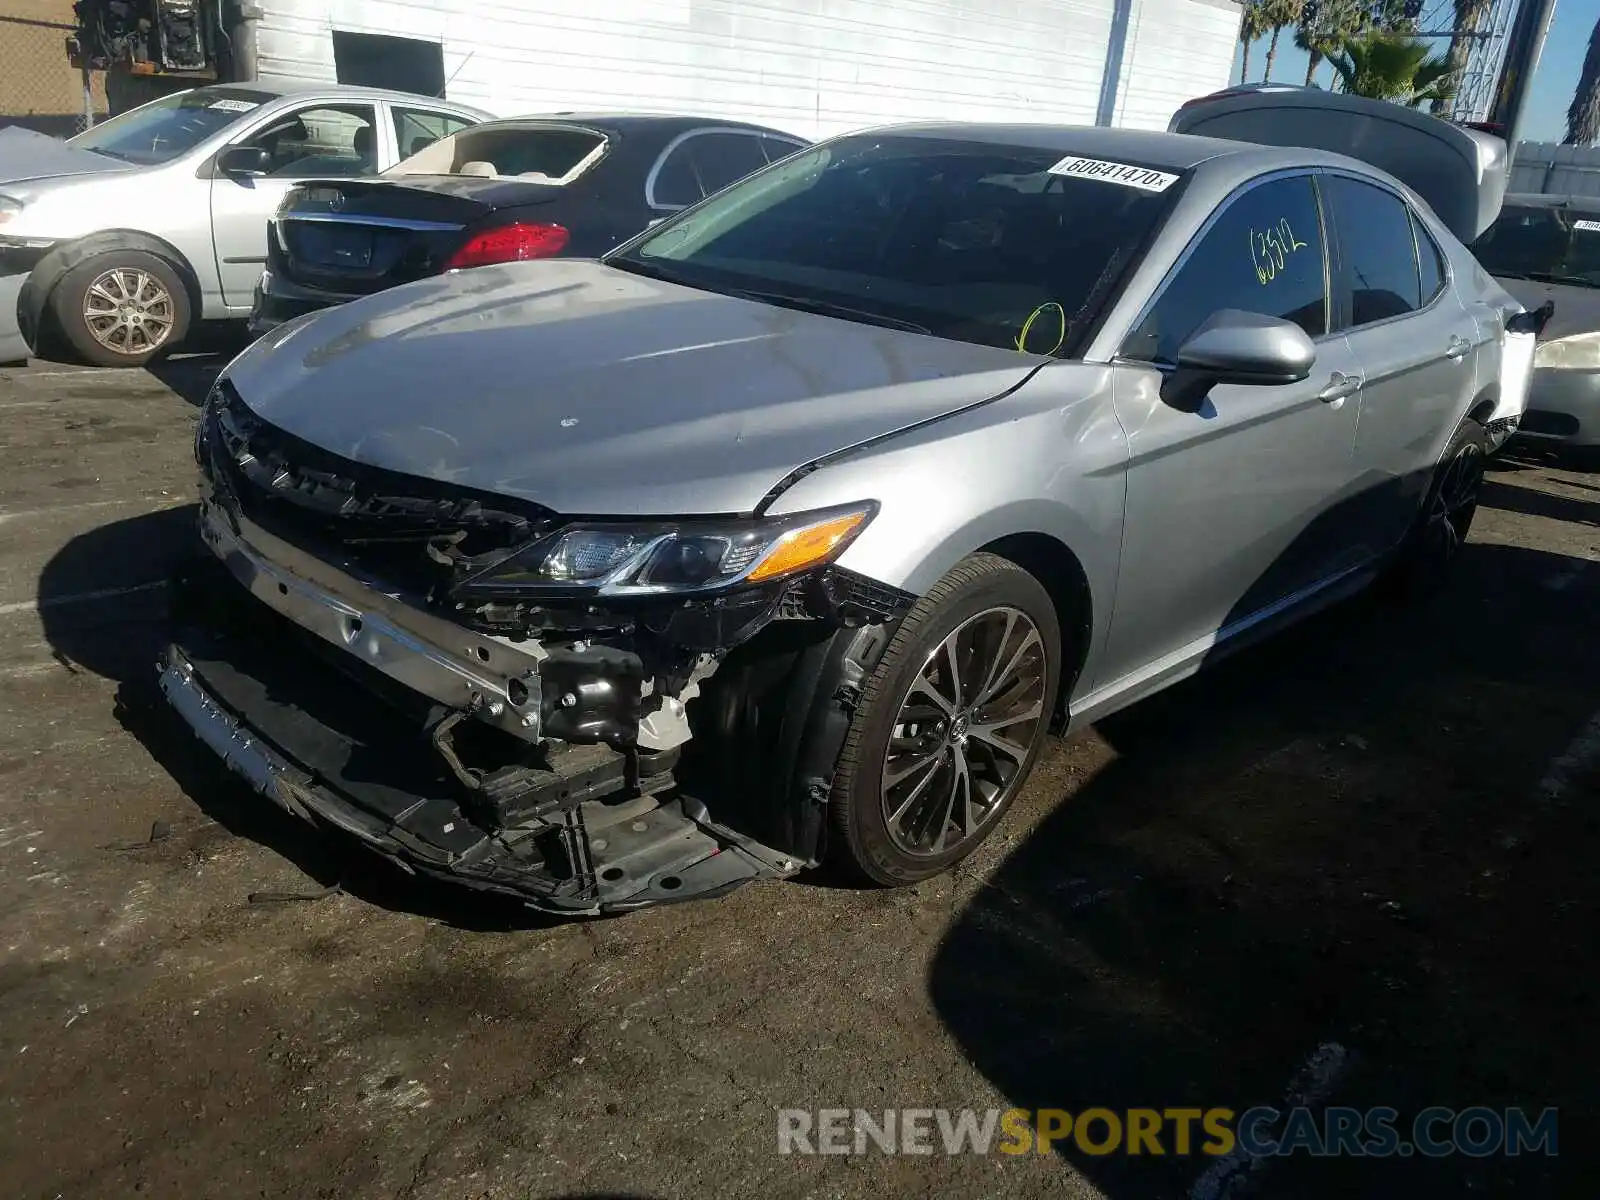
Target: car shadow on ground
122, 640
1343, 856
205, 353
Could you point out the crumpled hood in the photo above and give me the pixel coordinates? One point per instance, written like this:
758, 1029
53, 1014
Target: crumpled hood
1577, 307
595, 391
26, 155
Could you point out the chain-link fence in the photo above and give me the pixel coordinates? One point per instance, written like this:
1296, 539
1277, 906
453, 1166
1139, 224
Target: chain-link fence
39, 88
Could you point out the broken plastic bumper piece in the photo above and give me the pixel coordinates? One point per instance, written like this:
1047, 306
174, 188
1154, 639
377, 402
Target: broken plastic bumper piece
310, 734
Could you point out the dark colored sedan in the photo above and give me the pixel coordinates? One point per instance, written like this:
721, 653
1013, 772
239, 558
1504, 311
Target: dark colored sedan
564, 186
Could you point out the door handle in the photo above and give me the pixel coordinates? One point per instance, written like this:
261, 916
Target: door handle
1340, 386
1458, 346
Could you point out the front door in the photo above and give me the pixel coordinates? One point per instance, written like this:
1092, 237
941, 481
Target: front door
1417, 344
320, 141
1242, 504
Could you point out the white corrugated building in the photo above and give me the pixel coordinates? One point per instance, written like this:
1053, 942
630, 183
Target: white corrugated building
813, 67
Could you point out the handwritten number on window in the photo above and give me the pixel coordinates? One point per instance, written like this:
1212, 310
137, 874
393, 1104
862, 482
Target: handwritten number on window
1271, 247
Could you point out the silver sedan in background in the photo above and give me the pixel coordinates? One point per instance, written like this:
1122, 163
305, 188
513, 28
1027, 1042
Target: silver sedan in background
118, 240
1546, 250
785, 532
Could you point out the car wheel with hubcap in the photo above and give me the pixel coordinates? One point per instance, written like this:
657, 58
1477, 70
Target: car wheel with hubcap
949, 724
1434, 542
121, 309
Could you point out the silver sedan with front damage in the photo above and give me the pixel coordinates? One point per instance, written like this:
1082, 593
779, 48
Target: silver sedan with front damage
787, 532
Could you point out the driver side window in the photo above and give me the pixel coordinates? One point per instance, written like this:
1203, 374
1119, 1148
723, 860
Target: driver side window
339, 141
1264, 254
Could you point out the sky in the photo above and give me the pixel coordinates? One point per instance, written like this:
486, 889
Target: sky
1559, 65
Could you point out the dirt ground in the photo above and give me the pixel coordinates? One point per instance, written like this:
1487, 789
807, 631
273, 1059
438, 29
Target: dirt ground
1376, 834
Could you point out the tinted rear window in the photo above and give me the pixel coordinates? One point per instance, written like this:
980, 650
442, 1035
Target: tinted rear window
1552, 244
968, 240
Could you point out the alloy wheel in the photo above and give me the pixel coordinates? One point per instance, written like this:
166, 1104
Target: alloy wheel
1455, 501
128, 311
965, 730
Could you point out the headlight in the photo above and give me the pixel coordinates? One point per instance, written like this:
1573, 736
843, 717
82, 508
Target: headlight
9, 208
1580, 352
652, 558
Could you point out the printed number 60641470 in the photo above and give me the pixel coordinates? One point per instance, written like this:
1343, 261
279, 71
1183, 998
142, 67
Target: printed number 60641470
1271, 247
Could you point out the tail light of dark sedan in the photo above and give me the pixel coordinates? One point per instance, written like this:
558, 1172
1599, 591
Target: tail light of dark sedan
510, 243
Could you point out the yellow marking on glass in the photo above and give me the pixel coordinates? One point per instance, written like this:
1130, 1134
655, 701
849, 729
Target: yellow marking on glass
1022, 338
1270, 248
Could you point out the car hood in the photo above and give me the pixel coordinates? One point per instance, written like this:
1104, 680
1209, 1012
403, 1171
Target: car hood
594, 391
26, 155
1577, 306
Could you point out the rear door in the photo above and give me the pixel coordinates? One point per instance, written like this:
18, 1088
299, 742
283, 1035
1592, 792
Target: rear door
316, 140
1238, 506
1416, 344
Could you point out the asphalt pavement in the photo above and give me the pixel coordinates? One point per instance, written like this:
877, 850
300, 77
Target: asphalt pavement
1355, 863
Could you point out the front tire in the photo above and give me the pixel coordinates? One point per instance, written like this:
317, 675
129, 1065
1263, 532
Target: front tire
121, 309
948, 726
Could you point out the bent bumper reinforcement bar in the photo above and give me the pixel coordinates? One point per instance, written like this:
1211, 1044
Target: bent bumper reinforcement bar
605, 857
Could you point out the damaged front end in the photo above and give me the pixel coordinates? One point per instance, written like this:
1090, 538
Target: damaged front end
591, 715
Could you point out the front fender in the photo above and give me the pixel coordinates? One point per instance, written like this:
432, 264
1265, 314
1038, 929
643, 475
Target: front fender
1050, 460
61, 258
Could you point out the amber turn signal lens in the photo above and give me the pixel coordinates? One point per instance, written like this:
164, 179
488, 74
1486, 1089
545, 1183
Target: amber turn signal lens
802, 548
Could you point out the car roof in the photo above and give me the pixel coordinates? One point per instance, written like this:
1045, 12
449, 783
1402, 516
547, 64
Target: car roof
626, 122
285, 89
1167, 151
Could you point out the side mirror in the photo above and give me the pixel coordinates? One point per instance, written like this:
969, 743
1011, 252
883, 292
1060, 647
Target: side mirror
1247, 348
244, 160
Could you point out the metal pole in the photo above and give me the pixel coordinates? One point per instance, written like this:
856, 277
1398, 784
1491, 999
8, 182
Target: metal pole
1523, 47
88, 98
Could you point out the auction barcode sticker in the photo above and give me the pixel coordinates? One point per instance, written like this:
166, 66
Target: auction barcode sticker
1115, 172
1587, 226
228, 105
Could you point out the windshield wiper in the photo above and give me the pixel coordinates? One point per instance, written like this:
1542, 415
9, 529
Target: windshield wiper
828, 308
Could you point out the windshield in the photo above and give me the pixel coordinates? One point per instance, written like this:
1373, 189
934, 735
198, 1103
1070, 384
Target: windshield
1001, 245
1550, 244
170, 127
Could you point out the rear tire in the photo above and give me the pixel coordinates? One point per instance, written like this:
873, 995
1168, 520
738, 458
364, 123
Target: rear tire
123, 308
1425, 559
948, 726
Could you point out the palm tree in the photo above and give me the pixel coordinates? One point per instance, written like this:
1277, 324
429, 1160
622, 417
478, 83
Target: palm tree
1388, 66
1583, 117
1252, 25
1325, 25
1279, 15
1470, 16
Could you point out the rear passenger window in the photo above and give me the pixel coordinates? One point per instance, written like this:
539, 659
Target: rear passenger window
675, 184
725, 158
776, 148
1430, 261
1264, 255
1379, 251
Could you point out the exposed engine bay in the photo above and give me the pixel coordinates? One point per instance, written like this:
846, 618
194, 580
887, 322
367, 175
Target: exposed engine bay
372, 651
